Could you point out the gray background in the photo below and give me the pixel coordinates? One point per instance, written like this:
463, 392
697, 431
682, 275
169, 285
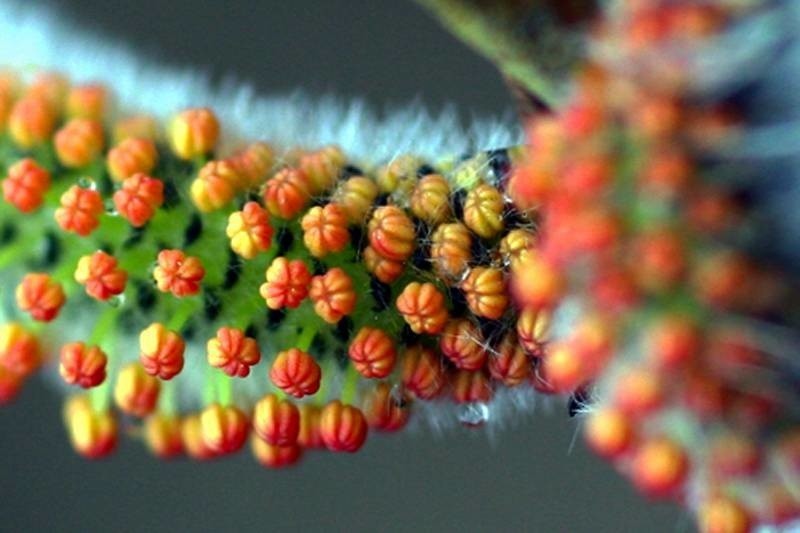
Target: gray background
524, 479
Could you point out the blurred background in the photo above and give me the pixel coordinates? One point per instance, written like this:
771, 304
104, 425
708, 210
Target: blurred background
523, 478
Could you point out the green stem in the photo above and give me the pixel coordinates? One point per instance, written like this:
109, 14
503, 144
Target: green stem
350, 387
11, 254
209, 385
224, 389
103, 335
306, 337
182, 313
167, 399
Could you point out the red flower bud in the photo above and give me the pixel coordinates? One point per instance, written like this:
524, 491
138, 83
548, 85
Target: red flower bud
82, 365
100, 275
41, 296
372, 353
161, 351
343, 427
276, 421
224, 429
178, 273
296, 373
80, 210
233, 352
26, 185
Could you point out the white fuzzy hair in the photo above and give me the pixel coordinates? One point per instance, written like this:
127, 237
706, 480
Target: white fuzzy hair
35, 37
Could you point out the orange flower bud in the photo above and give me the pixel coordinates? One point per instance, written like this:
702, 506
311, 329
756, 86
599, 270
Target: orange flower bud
533, 330
87, 101
333, 295
451, 251
384, 409
82, 365
734, 454
516, 245
325, 230
392, 233
423, 307
233, 352
253, 164
399, 175
50, 86
470, 387
356, 196
224, 429
343, 427
193, 133
137, 127
249, 230
136, 392
92, 434
638, 392
41, 296
6, 101
10, 386
536, 282
287, 283
178, 273
79, 142
276, 421
667, 172
721, 280
131, 156
139, 198
423, 372
509, 363
287, 193
101, 277
272, 456
26, 185
309, 436
530, 185
322, 168
659, 467
20, 352
483, 211
462, 342
383, 269
80, 210
192, 439
214, 187
660, 260
430, 200
609, 432
10, 82
372, 353
724, 515
161, 351
485, 290
31, 122
564, 368
296, 373
162, 433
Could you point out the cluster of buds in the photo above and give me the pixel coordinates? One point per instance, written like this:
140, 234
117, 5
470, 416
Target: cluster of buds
409, 283
400, 274
637, 225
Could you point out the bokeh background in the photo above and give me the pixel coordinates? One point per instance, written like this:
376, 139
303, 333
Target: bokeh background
523, 478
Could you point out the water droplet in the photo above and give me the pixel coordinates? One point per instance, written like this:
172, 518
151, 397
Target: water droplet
87, 183
117, 301
474, 414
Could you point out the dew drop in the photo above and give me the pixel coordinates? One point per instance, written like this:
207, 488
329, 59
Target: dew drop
474, 414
